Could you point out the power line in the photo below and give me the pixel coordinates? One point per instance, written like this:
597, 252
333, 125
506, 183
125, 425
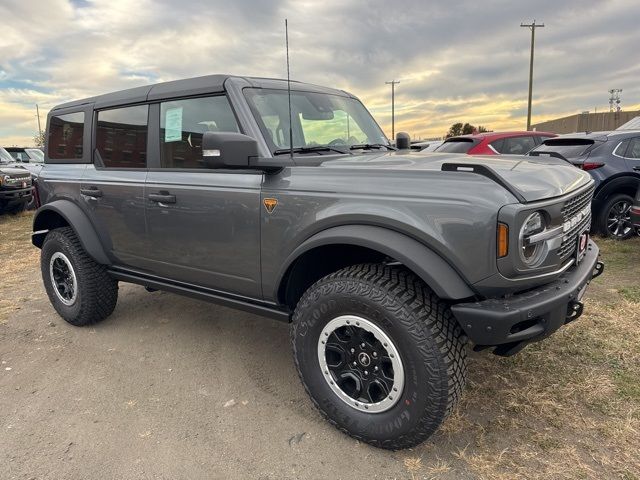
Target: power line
532, 27
393, 84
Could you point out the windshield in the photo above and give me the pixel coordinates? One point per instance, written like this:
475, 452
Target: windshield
35, 154
457, 145
318, 119
5, 157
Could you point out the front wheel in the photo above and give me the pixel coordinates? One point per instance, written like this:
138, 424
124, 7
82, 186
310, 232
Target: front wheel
380, 355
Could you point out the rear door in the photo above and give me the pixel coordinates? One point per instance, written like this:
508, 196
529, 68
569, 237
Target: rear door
203, 223
632, 155
113, 186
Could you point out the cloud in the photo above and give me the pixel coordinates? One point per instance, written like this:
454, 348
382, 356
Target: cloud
458, 60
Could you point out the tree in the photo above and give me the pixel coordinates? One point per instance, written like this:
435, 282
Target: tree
464, 129
38, 140
454, 130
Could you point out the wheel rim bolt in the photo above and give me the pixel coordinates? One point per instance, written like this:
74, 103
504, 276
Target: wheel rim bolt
353, 350
362, 345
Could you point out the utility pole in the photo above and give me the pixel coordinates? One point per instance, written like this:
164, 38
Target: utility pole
532, 27
393, 84
38, 115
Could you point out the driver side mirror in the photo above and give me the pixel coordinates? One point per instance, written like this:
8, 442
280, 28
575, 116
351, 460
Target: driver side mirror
228, 149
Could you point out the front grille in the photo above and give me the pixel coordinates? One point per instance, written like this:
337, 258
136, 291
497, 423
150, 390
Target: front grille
570, 209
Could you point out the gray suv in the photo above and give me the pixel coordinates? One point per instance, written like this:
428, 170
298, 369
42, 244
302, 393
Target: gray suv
388, 264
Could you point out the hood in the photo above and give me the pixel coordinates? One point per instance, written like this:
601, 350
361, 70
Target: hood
14, 171
529, 178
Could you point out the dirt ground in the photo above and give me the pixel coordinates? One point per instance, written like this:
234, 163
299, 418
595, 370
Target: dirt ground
174, 388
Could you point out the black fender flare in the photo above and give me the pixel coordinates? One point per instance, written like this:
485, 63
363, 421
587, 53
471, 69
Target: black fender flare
437, 273
76, 219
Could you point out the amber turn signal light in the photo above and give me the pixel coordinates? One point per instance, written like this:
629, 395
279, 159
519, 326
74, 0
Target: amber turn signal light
503, 240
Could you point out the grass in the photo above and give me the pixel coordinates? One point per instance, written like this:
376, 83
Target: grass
567, 407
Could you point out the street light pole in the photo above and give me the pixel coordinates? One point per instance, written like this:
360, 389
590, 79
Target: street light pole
532, 27
393, 84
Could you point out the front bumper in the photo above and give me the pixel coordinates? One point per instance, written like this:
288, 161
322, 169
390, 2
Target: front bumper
513, 322
11, 196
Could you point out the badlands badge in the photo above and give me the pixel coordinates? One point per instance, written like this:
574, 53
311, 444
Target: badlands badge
270, 204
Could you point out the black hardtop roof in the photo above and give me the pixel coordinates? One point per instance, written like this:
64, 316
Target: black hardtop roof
188, 87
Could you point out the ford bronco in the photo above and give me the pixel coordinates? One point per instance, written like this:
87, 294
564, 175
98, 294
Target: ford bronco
387, 263
15, 185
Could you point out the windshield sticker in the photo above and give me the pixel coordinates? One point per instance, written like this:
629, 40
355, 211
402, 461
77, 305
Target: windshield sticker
173, 125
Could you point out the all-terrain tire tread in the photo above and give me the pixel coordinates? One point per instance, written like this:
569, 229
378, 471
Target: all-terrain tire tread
423, 314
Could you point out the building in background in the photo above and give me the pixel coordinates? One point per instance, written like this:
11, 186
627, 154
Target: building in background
586, 122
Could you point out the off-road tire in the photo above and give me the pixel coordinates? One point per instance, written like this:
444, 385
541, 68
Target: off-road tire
97, 291
603, 216
429, 340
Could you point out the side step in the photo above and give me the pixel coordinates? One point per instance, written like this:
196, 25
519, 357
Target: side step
151, 283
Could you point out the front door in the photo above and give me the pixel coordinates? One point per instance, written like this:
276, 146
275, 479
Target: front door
203, 224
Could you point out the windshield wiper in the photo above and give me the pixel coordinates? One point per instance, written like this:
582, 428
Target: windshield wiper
371, 146
317, 148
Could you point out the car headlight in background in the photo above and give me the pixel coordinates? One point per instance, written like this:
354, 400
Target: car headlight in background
532, 244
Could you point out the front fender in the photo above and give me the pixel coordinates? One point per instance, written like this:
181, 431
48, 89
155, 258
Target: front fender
439, 275
64, 212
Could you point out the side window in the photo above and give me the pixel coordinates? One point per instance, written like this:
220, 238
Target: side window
121, 137
498, 145
517, 145
633, 150
65, 136
182, 124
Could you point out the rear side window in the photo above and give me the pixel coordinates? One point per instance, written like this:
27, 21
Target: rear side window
517, 145
457, 145
121, 137
182, 125
567, 147
65, 136
633, 150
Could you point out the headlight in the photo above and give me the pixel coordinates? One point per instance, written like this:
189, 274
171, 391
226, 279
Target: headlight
532, 247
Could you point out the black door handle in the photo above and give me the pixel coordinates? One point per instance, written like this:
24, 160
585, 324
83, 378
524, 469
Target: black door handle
162, 197
637, 169
91, 192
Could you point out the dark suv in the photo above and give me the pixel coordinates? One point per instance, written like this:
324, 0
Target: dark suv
387, 263
15, 185
613, 160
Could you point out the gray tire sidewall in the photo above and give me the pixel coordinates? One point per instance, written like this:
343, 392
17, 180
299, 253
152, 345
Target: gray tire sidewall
425, 391
56, 242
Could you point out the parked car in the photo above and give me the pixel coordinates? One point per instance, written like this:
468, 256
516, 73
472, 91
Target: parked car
613, 160
31, 159
635, 212
385, 265
426, 146
15, 185
494, 143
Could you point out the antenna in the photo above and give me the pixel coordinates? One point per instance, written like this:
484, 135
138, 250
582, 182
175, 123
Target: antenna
286, 34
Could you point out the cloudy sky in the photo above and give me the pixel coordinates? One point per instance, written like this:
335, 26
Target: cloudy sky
462, 60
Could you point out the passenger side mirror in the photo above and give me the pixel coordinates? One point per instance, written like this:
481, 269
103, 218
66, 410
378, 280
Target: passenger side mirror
228, 149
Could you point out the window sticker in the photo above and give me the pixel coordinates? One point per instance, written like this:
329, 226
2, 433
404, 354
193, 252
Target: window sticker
173, 125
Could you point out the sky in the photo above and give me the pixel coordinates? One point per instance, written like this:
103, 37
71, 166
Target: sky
456, 60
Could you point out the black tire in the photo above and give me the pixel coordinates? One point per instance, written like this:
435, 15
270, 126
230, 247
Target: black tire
612, 208
16, 208
428, 339
96, 292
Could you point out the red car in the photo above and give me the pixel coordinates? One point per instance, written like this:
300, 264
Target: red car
495, 143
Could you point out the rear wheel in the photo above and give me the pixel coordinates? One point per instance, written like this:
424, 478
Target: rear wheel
615, 217
80, 290
379, 353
